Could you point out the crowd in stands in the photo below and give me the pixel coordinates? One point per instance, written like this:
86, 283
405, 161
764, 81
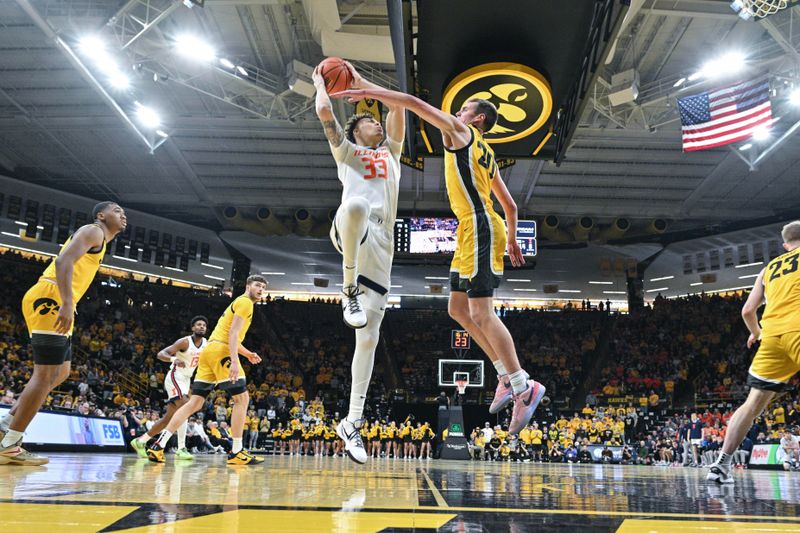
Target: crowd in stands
123, 323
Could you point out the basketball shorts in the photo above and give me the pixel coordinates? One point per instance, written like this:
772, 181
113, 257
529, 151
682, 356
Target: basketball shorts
777, 360
478, 260
177, 385
40, 307
213, 370
374, 261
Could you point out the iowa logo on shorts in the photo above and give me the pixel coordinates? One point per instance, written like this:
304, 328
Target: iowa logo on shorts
45, 306
226, 362
521, 94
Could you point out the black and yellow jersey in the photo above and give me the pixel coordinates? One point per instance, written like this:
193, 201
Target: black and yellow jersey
241, 306
83, 271
468, 174
782, 293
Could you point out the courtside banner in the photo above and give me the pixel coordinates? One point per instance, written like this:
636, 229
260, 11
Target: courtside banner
766, 454
69, 429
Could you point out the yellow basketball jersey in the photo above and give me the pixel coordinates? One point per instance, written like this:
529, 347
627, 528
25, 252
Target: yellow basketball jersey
468, 174
241, 306
782, 292
83, 272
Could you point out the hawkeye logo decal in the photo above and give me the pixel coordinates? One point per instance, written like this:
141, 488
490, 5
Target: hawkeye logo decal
521, 94
48, 306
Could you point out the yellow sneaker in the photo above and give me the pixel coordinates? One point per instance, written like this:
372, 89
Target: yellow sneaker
243, 458
156, 455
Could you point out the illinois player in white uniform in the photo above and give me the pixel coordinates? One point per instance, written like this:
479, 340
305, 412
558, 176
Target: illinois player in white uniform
368, 165
183, 354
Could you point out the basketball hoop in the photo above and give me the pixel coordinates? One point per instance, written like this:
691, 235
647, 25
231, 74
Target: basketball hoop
758, 8
461, 385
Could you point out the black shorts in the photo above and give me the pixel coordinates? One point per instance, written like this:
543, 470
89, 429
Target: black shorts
202, 388
51, 349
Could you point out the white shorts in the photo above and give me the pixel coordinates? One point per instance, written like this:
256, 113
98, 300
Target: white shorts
374, 262
696, 442
176, 385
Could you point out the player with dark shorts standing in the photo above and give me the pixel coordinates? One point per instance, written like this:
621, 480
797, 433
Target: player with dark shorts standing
49, 311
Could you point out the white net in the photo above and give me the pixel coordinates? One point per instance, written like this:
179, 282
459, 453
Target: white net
461, 385
762, 8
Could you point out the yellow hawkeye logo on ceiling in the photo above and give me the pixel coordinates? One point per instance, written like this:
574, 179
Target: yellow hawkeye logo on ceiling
521, 94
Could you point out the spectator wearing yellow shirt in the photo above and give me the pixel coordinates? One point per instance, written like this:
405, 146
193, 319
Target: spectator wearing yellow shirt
652, 400
779, 413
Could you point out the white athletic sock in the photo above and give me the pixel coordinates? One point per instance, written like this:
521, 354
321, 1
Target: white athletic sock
501, 369
11, 438
351, 225
182, 436
6, 421
143, 438
237, 445
519, 381
724, 459
363, 361
164, 438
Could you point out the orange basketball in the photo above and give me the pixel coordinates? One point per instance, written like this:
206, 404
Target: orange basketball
336, 75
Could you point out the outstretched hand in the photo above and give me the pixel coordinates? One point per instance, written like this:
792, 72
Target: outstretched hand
353, 95
515, 253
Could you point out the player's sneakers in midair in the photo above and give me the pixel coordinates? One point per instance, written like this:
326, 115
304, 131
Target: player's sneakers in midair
720, 473
17, 455
243, 457
156, 453
140, 448
525, 404
353, 445
184, 454
353, 308
502, 395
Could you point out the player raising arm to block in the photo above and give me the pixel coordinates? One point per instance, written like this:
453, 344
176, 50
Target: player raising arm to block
471, 176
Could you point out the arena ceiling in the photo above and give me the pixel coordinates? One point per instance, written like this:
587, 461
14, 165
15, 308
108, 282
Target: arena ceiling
231, 144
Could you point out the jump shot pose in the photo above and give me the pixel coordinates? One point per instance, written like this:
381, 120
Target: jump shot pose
368, 164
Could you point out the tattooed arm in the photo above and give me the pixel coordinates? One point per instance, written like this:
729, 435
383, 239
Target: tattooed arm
333, 131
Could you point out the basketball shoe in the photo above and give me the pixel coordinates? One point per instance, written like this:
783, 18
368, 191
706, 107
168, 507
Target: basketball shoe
243, 457
184, 454
720, 473
156, 453
353, 308
353, 445
140, 448
502, 395
525, 404
17, 455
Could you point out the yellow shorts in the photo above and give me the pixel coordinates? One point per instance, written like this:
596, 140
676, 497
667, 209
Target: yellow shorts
777, 360
478, 260
214, 365
40, 307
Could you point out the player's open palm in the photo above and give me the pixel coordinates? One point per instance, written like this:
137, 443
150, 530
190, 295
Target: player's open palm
254, 358
515, 253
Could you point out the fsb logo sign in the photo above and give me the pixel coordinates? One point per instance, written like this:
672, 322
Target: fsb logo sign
111, 432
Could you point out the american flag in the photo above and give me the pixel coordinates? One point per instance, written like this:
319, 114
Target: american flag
726, 115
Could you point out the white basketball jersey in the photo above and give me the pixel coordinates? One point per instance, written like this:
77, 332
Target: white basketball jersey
190, 358
372, 174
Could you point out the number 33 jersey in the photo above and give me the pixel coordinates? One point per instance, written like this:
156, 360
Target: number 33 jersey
371, 174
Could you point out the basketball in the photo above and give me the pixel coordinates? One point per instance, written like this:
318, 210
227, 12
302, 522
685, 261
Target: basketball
336, 75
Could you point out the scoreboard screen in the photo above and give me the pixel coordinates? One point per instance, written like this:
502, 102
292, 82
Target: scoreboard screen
526, 237
460, 340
